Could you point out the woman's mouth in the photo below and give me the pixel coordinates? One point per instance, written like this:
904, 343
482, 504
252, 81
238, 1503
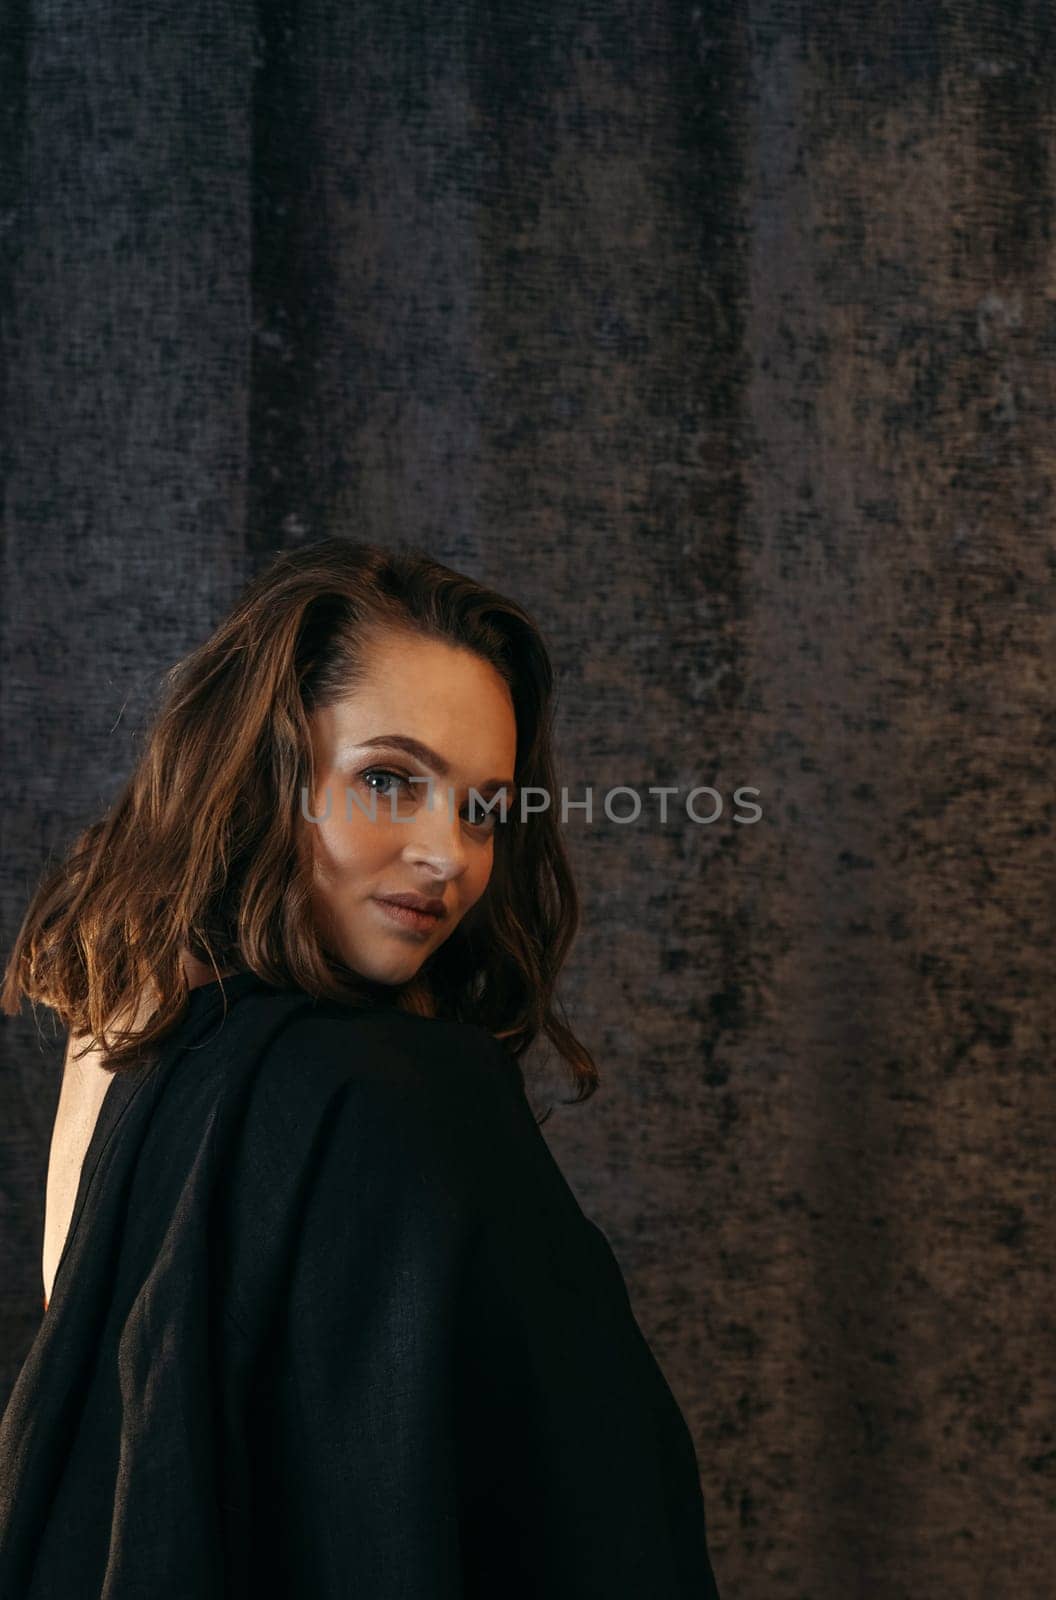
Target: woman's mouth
408, 917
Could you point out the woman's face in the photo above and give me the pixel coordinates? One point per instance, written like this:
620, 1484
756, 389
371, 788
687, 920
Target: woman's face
455, 706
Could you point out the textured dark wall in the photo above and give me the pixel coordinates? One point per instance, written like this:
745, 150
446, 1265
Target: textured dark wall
723, 337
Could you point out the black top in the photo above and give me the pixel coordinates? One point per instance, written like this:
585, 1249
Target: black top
329, 1322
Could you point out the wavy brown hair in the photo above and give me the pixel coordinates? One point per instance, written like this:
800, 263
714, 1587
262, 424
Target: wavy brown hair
202, 850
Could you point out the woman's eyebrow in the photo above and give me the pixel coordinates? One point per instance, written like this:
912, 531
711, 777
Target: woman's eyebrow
428, 757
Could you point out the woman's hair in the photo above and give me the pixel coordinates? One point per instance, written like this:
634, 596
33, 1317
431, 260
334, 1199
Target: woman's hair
203, 850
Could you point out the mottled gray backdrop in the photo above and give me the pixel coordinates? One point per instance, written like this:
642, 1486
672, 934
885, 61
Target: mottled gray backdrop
723, 337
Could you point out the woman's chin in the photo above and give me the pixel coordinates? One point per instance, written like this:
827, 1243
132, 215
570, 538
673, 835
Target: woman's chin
389, 973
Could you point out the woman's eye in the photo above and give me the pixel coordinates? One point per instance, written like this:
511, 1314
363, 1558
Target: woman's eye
411, 792
382, 772
479, 818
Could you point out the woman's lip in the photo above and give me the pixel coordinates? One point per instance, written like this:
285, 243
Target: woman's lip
407, 916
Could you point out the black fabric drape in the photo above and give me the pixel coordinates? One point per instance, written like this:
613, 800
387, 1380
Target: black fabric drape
330, 1320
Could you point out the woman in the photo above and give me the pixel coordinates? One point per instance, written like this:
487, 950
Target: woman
323, 1317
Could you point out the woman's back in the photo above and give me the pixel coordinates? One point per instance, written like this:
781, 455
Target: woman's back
85, 1081
84, 1086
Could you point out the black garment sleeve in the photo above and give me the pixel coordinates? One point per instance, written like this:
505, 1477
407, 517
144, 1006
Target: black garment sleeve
584, 1479
457, 1400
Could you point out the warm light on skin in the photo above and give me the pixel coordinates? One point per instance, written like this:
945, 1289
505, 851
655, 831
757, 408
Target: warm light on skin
458, 705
